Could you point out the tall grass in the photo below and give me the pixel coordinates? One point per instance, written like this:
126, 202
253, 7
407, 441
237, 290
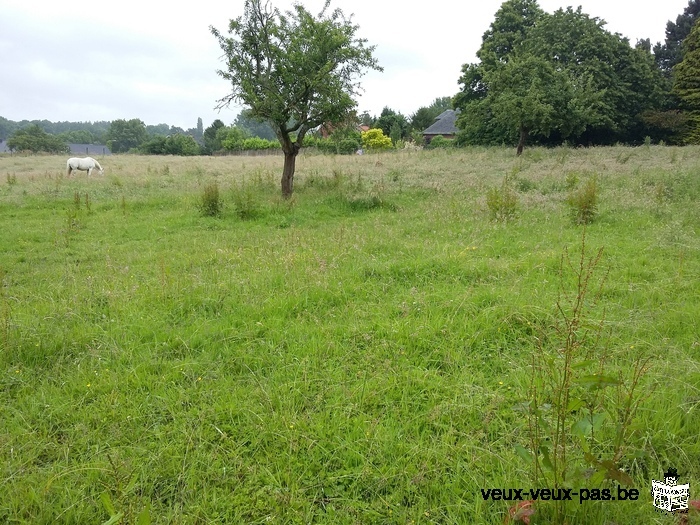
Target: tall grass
360, 354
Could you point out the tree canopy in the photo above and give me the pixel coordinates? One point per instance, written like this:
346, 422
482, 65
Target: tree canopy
670, 53
124, 135
35, 139
554, 77
294, 70
425, 116
686, 81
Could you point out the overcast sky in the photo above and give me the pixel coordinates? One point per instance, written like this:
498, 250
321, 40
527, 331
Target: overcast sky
79, 60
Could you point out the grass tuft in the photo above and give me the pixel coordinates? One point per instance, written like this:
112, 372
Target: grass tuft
210, 204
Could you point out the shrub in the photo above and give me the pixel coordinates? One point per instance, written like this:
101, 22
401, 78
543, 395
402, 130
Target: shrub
374, 139
210, 204
502, 202
348, 146
440, 142
583, 202
245, 202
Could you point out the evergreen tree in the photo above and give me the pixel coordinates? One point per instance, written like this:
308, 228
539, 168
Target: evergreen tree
212, 139
200, 130
686, 81
670, 52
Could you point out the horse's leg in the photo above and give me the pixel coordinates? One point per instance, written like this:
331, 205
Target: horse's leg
89, 172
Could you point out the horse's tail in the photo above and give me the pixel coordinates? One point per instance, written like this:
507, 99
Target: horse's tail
68, 168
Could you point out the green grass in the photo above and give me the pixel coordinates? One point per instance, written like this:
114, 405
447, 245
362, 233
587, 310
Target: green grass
356, 355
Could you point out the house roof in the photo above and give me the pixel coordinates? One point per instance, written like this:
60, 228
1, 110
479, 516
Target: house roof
90, 149
444, 124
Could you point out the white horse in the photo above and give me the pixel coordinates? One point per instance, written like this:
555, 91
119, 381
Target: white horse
87, 164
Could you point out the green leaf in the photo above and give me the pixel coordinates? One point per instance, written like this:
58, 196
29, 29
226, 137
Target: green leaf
574, 405
589, 423
114, 519
583, 364
598, 477
107, 503
582, 428
524, 453
596, 381
546, 460
598, 420
145, 516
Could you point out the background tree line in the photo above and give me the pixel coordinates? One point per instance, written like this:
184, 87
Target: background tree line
245, 133
548, 78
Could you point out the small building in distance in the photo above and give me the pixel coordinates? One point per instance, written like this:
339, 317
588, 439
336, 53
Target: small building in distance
445, 125
89, 150
84, 150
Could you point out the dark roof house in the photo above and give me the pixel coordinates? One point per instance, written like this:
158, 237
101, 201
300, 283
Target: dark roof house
90, 149
444, 125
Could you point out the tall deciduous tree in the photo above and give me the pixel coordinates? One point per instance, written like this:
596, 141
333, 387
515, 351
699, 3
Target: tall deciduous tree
294, 70
509, 29
254, 126
532, 96
392, 124
35, 139
584, 82
124, 135
623, 78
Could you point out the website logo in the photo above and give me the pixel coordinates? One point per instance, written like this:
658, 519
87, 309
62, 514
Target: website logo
669, 495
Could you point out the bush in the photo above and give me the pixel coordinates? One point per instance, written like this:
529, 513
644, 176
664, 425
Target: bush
374, 139
210, 204
245, 202
256, 143
348, 146
440, 142
583, 203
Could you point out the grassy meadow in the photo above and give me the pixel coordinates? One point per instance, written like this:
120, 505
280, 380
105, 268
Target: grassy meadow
359, 354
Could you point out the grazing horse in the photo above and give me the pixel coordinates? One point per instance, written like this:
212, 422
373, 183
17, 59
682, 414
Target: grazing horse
87, 164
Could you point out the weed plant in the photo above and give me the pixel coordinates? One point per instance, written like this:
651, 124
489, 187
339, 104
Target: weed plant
246, 203
583, 202
502, 201
578, 432
210, 204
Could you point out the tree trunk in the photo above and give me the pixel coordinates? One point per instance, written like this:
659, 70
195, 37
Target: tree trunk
290, 159
523, 138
